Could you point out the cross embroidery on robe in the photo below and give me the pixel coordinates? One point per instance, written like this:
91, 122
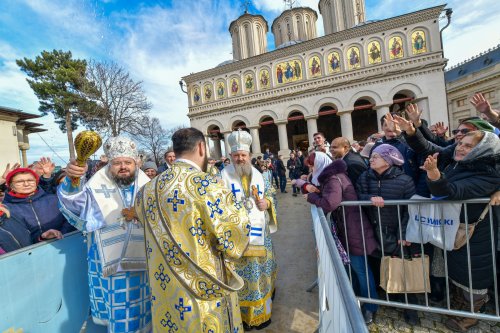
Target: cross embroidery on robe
181, 308
214, 207
105, 190
175, 200
234, 190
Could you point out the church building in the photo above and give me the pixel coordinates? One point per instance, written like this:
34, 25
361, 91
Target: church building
339, 84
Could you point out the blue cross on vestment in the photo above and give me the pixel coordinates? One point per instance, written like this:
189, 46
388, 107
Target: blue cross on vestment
105, 190
214, 207
181, 308
234, 190
258, 189
175, 200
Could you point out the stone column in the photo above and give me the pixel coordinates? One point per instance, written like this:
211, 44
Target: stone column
254, 132
207, 145
382, 110
312, 127
284, 150
346, 124
217, 148
226, 143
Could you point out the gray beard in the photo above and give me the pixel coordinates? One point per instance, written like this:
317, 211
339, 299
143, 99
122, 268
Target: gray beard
243, 169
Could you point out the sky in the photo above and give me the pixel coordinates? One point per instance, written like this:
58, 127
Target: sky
159, 41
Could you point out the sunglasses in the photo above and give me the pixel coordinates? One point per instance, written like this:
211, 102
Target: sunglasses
463, 131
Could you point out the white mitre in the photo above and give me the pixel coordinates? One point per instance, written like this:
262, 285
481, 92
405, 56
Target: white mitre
120, 146
239, 140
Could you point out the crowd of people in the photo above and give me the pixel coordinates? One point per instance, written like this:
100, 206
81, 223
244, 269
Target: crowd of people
199, 229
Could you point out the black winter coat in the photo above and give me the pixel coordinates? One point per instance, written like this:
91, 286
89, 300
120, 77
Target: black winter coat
355, 166
477, 178
393, 184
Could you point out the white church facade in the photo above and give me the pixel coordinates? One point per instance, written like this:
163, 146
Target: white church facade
339, 84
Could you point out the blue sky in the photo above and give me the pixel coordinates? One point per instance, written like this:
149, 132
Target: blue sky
160, 41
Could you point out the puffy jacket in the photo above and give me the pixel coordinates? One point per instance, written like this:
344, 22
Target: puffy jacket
335, 187
15, 233
40, 211
393, 184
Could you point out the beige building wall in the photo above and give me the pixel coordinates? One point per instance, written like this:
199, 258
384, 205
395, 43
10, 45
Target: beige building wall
486, 81
9, 149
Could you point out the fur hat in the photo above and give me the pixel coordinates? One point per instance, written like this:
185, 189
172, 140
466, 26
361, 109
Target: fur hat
390, 154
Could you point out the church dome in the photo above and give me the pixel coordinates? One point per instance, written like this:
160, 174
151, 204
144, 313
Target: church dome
295, 24
248, 34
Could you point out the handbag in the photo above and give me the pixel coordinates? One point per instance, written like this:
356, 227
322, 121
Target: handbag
461, 238
405, 274
433, 223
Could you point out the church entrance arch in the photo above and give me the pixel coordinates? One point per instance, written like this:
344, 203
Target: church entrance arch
296, 130
364, 119
328, 122
240, 125
214, 141
268, 135
400, 100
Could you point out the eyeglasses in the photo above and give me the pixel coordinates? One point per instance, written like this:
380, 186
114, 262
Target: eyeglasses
29, 181
463, 131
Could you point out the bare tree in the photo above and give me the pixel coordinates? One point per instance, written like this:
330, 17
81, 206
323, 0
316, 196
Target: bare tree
153, 138
122, 102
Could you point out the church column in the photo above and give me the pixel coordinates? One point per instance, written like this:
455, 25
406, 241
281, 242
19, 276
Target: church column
282, 135
226, 143
207, 145
382, 110
217, 148
254, 132
23, 147
346, 124
312, 127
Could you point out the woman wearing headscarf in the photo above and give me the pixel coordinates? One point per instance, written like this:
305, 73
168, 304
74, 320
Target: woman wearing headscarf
354, 229
473, 173
26, 200
386, 180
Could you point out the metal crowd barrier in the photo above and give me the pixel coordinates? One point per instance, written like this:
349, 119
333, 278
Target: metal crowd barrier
338, 309
445, 309
44, 287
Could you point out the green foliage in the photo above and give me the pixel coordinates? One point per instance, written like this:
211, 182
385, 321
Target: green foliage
59, 82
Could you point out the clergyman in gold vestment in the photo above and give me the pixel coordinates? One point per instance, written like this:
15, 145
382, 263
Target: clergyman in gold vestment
194, 229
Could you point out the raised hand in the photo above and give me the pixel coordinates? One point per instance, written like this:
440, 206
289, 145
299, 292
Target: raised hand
404, 125
73, 170
441, 129
430, 165
483, 106
47, 166
8, 169
414, 114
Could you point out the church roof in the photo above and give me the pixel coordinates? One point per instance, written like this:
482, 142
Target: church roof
475, 64
357, 31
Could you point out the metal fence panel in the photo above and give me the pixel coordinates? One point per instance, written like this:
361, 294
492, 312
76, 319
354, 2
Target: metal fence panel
338, 308
44, 287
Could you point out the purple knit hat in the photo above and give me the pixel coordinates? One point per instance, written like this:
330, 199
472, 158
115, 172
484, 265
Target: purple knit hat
390, 154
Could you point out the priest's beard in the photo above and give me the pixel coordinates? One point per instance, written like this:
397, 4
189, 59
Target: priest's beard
124, 181
243, 169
